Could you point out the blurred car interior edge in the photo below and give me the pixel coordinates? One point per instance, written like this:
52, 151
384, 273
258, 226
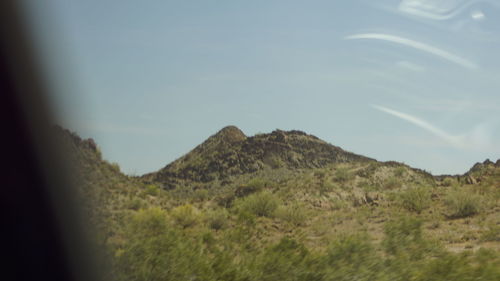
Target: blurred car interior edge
42, 228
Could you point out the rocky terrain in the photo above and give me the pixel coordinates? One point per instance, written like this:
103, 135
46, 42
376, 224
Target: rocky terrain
289, 206
230, 153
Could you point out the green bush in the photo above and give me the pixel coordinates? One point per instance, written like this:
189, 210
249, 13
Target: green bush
462, 203
492, 234
326, 187
286, 260
154, 251
320, 173
483, 265
252, 186
415, 199
276, 163
262, 204
342, 175
294, 214
185, 215
152, 189
399, 171
403, 238
449, 181
245, 218
392, 183
201, 194
115, 166
217, 219
337, 203
149, 222
352, 257
135, 204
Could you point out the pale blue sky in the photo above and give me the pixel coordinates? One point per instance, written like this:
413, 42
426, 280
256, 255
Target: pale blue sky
415, 81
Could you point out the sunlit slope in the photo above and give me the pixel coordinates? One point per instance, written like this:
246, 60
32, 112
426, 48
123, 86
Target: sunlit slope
230, 153
327, 215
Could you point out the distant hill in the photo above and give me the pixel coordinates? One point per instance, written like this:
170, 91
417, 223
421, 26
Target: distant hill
230, 152
108, 194
244, 208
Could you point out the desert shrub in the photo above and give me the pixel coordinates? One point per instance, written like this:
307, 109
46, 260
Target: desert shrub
262, 204
448, 182
286, 260
326, 187
392, 183
294, 214
349, 249
149, 222
115, 166
98, 152
352, 257
337, 203
447, 267
134, 204
152, 189
368, 171
200, 194
217, 219
399, 171
257, 183
320, 173
487, 263
403, 238
252, 186
368, 186
461, 203
154, 251
225, 200
490, 190
276, 163
245, 219
491, 234
484, 265
342, 174
185, 215
415, 199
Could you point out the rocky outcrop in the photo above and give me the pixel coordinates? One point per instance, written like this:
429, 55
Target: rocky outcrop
478, 167
72, 138
229, 152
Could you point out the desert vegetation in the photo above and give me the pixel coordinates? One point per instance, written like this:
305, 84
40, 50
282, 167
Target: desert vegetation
357, 220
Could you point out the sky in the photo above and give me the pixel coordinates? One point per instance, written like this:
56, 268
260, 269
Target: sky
415, 81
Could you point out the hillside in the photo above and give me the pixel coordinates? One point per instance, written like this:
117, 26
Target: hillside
288, 206
108, 196
230, 153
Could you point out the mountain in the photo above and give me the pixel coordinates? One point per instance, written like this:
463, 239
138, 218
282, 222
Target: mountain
107, 194
288, 206
230, 153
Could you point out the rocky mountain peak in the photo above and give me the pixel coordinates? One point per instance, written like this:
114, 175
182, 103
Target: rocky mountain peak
229, 153
480, 166
230, 134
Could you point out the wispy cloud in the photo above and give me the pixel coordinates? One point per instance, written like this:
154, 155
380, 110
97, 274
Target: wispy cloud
456, 141
410, 66
441, 10
419, 46
477, 139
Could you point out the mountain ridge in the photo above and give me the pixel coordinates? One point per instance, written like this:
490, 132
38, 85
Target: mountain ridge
229, 152
231, 135
267, 215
